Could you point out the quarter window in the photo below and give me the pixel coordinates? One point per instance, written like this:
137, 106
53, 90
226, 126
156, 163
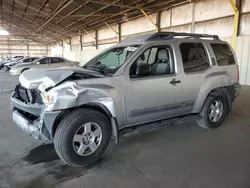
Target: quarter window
224, 54
194, 57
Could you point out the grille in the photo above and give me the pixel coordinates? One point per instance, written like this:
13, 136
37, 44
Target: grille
27, 95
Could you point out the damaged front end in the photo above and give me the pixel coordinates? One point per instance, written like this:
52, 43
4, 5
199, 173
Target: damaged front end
29, 114
44, 95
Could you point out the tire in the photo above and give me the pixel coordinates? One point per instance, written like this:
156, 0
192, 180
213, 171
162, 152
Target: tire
206, 121
71, 125
24, 70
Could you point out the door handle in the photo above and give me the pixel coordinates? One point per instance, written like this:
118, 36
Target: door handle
174, 82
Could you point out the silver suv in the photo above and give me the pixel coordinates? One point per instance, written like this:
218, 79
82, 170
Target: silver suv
141, 84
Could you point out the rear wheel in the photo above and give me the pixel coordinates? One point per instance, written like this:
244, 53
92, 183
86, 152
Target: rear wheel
82, 137
213, 112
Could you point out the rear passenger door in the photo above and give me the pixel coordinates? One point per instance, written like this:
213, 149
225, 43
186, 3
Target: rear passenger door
196, 66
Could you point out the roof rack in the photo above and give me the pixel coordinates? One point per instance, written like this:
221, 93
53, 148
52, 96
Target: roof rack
171, 35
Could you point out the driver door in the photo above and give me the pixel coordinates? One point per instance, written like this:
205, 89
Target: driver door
157, 94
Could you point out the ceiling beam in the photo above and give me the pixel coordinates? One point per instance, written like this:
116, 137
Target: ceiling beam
28, 31
24, 37
25, 30
12, 10
30, 7
106, 18
67, 3
94, 12
34, 23
18, 15
72, 12
25, 10
39, 10
116, 5
1, 4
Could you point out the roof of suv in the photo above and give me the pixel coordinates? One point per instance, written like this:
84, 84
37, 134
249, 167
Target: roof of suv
166, 36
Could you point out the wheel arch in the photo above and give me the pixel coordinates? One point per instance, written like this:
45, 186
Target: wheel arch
217, 82
94, 106
226, 91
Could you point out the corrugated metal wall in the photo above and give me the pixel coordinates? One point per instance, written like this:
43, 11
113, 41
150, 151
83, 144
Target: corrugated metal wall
243, 57
11, 46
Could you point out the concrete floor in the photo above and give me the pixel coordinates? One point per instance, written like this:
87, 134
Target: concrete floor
181, 156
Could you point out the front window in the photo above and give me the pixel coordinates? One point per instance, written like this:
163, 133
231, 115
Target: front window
155, 61
111, 60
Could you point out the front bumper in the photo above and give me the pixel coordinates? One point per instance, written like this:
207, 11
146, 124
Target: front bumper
32, 119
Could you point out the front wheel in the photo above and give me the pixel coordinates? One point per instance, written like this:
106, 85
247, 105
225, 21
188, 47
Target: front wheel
82, 137
213, 112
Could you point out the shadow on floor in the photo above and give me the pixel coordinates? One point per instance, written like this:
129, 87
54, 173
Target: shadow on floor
43, 153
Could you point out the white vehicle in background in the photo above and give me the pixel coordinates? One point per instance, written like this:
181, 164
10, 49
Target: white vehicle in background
43, 63
8, 60
7, 66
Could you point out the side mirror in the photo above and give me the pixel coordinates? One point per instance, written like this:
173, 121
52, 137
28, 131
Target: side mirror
38, 63
143, 69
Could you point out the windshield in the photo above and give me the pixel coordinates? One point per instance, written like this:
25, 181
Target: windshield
110, 61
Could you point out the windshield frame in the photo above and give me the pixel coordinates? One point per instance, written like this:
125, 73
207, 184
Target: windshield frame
138, 45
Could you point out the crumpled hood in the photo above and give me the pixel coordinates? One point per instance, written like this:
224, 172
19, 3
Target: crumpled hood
45, 78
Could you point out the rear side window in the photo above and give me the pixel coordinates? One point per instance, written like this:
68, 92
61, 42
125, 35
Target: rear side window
57, 60
28, 60
45, 60
223, 54
194, 57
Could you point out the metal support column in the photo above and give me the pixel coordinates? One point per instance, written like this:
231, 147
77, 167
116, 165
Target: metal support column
193, 18
236, 7
8, 41
150, 19
158, 21
62, 48
70, 44
81, 42
28, 48
96, 39
119, 32
47, 50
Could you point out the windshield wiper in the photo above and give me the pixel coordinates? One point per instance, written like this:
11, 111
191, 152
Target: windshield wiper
101, 69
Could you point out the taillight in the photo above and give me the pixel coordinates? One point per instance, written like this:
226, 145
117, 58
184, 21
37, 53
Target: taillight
238, 74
